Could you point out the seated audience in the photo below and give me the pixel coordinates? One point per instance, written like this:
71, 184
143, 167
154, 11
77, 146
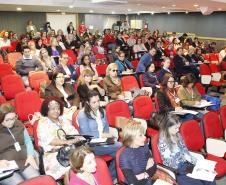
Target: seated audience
16, 144
70, 43
27, 64
136, 160
34, 51
150, 78
123, 64
98, 48
92, 121
112, 83
85, 84
165, 69
168, 99
160, 53
182, 66
49, 139
83, 167
4, 40
145, 60
62, 90
139, 48
67, 69
174, 152
22, 43
48, 63
54, 50
86, 64
191, 55
198, 55
187, 93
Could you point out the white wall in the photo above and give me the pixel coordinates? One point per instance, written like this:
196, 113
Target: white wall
59, 21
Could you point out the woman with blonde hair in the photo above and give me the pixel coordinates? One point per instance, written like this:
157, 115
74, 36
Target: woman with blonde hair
86, 83
136, 160
112, 83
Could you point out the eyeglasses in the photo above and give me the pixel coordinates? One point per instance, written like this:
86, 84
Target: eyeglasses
114, 70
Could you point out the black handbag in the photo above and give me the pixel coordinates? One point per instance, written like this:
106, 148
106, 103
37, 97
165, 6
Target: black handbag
64, 152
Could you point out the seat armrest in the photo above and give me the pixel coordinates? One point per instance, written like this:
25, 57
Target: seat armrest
172, 172
216, 147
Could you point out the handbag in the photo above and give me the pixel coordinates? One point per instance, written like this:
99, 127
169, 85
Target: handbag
214, 100
64, 152
160, 174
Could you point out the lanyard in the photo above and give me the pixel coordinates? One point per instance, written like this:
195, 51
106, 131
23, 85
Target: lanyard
173, 94
192, 93
12, 134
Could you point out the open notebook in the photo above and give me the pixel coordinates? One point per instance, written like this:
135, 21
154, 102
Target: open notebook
9, 169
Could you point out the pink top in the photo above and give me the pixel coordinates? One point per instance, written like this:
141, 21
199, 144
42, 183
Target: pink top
75, 180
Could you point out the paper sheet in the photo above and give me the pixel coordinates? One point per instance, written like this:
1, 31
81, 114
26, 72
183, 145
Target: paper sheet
98, 140
184, 111
161, 182
204, 170
11, 166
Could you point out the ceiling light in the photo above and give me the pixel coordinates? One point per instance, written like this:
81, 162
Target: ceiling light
168, 13
173, 5
113, 1
91, 11
186, 12
58, 10
63, 13
113, 12
219, 9
71, 6
129, 10
138, 4
196, 5
152, 13
163, 7
18, 8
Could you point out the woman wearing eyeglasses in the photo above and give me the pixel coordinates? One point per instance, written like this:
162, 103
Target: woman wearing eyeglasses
15, 144
62, 90
123, 64
50, 138
168, 99
112, 83
67, 69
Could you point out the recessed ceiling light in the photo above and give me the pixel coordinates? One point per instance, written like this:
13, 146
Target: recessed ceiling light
138, 4
129, 10
219, 9
138, 13
63, 13
71, 6
18, 8
173, 5
196, 5
58, 10
152, 13
91, 11
113, 12
186, 12
163, 7
168, 13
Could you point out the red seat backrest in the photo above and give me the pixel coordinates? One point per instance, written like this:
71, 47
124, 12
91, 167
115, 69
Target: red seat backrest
204, 69
71, 55
11, 85
212, 125
35, 135
135, 64
1, 60
155, 150
27, 103
141, 80
104, 174
223, 116
117, 108
200, 88
143, 107
129, 82
13, 57
121, 177
5, 69
214, 68
2, 100
213, 57
40, 180
101, 69
74, 121
192, 135
36, 78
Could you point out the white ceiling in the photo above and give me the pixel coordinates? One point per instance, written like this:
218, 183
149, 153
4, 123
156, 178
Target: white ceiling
113, 6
